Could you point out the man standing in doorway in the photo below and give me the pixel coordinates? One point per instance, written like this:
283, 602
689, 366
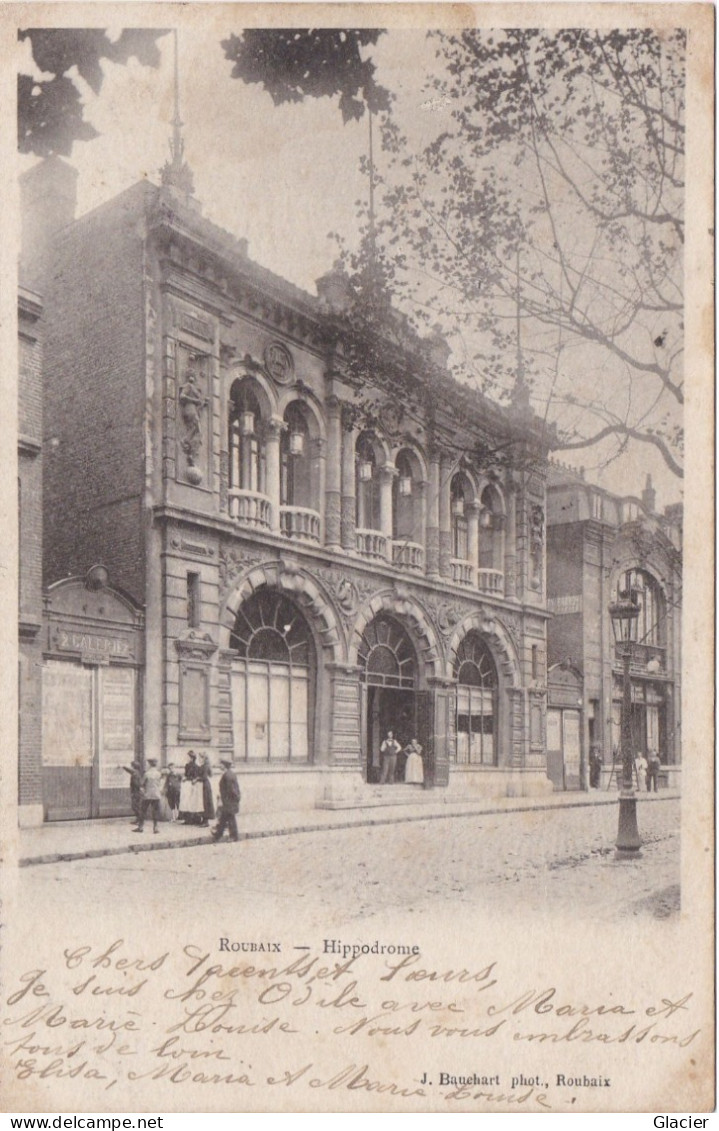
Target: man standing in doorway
389, 750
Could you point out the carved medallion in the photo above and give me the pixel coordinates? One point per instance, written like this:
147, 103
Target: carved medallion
279, 362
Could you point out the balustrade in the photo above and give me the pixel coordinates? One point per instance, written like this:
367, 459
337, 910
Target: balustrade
461, 572
408, 555
371, 544
490, 581
250, 508
300, 522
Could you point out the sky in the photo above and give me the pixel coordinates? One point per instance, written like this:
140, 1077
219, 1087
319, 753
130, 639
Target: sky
283, 177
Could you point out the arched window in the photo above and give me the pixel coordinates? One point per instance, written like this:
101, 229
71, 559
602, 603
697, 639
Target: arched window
386, 655
476, 676
273, 677
295, 460
491, 530
650, 623
367, 489
459, 498
245, 447
405, 500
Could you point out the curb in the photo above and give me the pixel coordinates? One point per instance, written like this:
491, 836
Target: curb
291, 830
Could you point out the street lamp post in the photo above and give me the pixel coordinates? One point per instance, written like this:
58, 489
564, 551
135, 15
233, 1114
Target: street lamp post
625, 613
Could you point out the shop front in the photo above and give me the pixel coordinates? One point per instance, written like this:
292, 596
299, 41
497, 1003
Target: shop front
566, 762
92, 666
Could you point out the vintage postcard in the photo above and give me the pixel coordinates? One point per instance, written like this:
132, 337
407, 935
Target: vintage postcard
357, 695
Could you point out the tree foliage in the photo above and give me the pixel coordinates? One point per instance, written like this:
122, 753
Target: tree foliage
399, 379
556, 192
293, 63
50, 110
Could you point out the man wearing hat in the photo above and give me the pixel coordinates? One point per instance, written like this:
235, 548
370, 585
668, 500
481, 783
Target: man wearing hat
151, 793
135, 772
229, 802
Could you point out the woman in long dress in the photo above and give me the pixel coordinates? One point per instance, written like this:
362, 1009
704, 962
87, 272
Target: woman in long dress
208, 803
191, 803
414, 766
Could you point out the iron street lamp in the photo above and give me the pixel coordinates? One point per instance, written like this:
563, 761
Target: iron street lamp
625, 614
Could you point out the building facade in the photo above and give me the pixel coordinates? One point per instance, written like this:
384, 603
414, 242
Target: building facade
598, 544
29, 497
286, 580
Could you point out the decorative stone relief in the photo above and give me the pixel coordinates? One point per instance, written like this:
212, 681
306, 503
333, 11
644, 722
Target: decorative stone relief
446, 614
200, 327
193, 403
198, 549
348, 593
279, 362
234, 561
194, 644
536, 544
510, 621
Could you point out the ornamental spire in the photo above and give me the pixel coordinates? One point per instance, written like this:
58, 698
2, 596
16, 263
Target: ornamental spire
176, 173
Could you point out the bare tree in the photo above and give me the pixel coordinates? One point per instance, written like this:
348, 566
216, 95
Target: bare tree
551, 207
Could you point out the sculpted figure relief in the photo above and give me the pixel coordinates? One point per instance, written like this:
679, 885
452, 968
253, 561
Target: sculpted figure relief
192, 402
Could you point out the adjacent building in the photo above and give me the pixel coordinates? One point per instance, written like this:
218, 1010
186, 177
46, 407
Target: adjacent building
29, 511
597, 544
238, 559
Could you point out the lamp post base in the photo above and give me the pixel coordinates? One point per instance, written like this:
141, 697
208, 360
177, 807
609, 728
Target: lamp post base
628, 840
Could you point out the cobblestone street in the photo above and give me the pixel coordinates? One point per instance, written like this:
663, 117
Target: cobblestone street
544, 862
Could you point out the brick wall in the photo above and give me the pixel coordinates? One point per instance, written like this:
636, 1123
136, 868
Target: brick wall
564, 576
95, 396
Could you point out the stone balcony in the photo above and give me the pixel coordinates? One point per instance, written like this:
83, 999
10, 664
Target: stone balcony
371, 544
461, 572
300, 522
408, 555
249, 508
491, 581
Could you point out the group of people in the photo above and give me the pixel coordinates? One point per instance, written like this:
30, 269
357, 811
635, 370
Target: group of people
646, 769
188, 797
390, 751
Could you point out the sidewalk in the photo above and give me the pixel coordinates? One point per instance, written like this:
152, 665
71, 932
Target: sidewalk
83, 840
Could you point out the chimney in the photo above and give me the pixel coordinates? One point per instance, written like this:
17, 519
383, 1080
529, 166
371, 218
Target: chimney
48, 197
649, 497
335, 290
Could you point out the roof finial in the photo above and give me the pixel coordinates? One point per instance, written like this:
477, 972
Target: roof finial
177, 173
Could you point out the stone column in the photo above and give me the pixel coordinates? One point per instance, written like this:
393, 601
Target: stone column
445, 518
333, 492
348, 523
473, 540
318, 451
273, 428
518, 541
420, 515
432, 524
499, 546
386, 476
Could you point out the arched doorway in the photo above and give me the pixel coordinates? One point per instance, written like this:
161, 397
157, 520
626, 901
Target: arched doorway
273, 680
389, 671
477, 728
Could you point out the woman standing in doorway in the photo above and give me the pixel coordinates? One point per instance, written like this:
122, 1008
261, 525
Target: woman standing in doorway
414, 766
